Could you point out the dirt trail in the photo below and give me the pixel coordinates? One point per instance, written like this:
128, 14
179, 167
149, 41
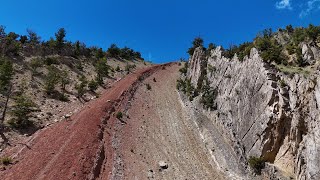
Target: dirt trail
93, 144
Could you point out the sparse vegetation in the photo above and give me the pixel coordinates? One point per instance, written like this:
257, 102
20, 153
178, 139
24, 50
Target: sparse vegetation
102, 70
51, 79
186, 87
257, 164
21, 111
81, 87
6, 161
197, 42
184, 70
148, 86
129, 67
50, 61
124, 53
64, 79
211, 69
118, 68
208, 96
93, 85
63, 97
35, 63
283, 83
6, 73
119, 115
291, 70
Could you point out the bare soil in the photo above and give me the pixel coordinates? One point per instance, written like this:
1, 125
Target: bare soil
94, 144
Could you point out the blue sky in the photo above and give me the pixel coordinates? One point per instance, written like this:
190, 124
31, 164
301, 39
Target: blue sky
162, 30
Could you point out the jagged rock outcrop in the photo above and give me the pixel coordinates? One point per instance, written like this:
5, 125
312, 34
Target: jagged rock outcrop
261, 112
310, 53
198, 65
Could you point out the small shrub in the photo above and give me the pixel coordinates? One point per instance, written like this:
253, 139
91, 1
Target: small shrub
51, 60
93, 85
6, 161
283, 83
148, 87
81, 88
118, 69
184, 70
51, 79
62, 97
129, 67
119, 115
140, 78
208, 97
21, 111
79, 66
257, 164
35, 63
211, 69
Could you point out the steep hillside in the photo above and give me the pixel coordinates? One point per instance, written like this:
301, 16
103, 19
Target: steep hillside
44, 82
138, 129
264, 107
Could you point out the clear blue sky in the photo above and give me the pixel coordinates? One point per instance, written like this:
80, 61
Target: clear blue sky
162, 30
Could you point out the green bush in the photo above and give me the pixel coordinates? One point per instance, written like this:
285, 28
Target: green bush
208, 97
119, 115
298, 35
51, 60
257, 164
184, 70
64, 79
102, 70
283, 83
186, 87
35, 63
62, 97
313, 32
6, 161
118, 69
291, 48
129, 67
51, 79
93, 85
6, 73
289, 29
197, 42
81, 88
21, 111
211, 69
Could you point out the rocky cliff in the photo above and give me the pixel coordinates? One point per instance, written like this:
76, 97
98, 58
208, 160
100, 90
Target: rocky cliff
261, 111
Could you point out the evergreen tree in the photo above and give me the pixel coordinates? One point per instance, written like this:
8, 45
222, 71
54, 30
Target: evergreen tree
60, 39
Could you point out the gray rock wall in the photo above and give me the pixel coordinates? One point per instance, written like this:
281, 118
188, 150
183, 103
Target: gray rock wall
262, 112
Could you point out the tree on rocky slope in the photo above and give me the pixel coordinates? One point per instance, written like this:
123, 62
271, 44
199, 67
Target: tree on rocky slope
102, 70
60, 35
51, 79
197, 42
6, 73
34, 39
21, 111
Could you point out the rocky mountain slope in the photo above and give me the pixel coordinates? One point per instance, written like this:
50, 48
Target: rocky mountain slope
45, 82
247, 112
260, 109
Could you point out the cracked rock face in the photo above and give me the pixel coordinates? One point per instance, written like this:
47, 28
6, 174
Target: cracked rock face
262, 112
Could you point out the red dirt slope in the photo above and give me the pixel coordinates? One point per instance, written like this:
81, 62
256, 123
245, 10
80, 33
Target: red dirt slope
76, 148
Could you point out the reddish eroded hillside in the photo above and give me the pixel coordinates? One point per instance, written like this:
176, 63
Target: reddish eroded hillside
153, 140
71, 149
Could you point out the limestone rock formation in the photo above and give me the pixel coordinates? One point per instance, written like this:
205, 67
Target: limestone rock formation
261, 112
